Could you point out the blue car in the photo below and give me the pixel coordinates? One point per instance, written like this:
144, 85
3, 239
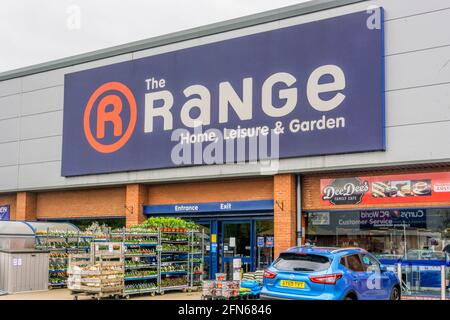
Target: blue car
313, 273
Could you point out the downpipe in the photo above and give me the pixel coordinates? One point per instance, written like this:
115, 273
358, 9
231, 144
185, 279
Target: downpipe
299, 211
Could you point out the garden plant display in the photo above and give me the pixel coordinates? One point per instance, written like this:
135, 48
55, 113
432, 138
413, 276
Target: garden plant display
142, 251
159, 255
140, 264
172, 268
174, 237
140, 286
57, 267
174, 247
60, 243
140, 273
174, 282
57, 280
144, 240
167, 224
172, 259
197, 269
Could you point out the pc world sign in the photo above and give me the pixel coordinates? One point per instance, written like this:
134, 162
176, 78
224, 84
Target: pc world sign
303, 90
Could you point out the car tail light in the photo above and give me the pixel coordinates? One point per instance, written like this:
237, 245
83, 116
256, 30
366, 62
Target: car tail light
269, 274
326, 279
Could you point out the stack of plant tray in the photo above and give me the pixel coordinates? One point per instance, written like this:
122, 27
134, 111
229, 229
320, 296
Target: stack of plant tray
220, 290
102, 276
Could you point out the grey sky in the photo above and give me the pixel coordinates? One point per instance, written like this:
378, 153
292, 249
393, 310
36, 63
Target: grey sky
35, 31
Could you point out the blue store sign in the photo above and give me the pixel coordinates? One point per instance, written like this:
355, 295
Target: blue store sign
4, 212
305, 90
208, 207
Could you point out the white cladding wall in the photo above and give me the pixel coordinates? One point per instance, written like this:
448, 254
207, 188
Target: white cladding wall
417, 106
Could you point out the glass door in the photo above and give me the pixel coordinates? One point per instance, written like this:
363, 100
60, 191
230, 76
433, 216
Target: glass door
264, 243
236, 243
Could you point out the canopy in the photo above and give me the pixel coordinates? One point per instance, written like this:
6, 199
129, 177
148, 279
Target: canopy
30, 228
15, 228
52, 226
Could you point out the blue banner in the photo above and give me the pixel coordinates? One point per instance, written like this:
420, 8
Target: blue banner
207, 207
4, 212
305, 90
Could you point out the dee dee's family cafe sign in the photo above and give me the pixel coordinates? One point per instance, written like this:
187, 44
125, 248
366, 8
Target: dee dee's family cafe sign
304, 90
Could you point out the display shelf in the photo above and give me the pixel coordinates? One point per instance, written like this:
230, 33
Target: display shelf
170, 288
130, 255
102, 276
196, 259
58, 284
57, 270
174, 252
171, 254
144, 266
169, 273
60, 245
141, 291
139, 257
141, 278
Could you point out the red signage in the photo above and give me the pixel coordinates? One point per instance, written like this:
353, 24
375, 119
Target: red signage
421, 187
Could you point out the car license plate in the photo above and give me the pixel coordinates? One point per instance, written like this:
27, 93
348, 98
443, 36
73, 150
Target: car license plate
292, 284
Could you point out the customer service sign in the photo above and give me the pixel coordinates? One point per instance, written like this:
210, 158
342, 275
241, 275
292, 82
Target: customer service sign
302, 90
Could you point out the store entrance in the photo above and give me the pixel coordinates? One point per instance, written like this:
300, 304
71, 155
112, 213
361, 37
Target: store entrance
250, 240
235, 243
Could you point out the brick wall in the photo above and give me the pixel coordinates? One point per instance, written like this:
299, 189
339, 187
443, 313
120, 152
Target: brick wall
9, 199
311, 189
25, 206
285, 212
211, 191
136, 194
104, 202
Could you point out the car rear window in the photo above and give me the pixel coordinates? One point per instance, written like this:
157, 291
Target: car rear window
302, 262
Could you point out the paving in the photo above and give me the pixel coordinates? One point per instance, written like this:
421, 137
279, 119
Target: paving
64, 294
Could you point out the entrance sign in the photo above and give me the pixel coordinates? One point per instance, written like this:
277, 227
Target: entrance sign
305, 90
208, 207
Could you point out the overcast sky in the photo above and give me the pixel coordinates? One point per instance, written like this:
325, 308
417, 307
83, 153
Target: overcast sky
35, 31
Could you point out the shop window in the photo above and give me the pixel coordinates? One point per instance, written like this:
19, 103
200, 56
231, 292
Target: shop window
264, 252
413, 234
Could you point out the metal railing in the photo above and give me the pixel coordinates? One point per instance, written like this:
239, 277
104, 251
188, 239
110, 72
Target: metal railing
429, 279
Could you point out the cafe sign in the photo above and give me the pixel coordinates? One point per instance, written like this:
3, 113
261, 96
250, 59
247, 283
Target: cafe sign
389, 189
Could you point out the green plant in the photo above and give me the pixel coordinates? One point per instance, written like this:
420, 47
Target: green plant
167, 222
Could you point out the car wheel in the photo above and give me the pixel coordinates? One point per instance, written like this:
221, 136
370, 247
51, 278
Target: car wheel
349, 297
395, 294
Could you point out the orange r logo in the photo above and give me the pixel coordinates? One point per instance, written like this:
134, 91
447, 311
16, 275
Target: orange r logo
113, 116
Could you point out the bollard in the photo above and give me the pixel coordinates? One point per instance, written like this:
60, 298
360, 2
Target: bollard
443, 283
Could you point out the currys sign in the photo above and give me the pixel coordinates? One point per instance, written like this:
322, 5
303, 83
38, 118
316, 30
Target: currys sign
304, 90
388, 218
